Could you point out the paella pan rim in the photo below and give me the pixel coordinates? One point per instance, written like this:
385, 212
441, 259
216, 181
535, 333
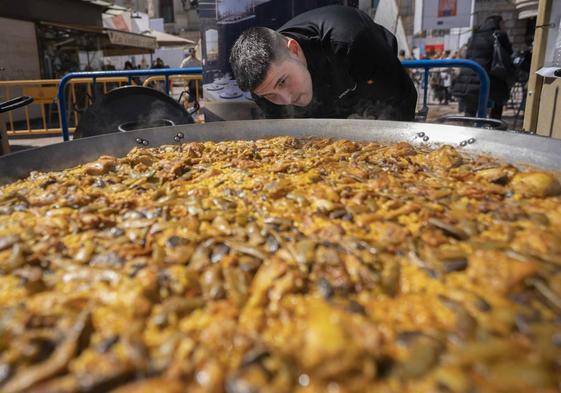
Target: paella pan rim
516, 148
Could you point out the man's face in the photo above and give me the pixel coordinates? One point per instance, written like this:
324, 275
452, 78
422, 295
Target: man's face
288, 81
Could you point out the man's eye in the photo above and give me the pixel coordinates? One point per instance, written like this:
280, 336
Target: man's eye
281, 83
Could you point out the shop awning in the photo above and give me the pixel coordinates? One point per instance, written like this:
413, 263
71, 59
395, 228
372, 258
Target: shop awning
126, 21
168, 40
112, 42
117, 37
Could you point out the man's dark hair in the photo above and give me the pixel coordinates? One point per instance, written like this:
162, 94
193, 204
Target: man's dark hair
252, 54
492, 22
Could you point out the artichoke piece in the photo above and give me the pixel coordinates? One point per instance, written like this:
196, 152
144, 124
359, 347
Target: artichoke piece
535, 185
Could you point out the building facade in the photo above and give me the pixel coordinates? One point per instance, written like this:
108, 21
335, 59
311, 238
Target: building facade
519, 30
394, 15
519, 24
180, 16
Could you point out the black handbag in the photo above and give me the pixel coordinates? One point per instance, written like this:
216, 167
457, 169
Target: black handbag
501, 65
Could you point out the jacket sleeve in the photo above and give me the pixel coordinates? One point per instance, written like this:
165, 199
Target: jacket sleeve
505, 42
373, 56
374, 51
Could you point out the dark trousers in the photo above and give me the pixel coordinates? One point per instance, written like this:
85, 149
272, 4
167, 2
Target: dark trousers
447, 96
470, 104
496, 111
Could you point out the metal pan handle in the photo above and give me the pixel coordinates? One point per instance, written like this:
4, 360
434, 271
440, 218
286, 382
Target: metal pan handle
15, 103
136, 125
492, 123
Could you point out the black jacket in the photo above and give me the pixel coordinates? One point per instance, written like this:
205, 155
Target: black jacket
480, 50
354, 68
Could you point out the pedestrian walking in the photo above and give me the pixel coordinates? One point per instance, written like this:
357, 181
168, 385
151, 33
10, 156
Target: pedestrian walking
480, 49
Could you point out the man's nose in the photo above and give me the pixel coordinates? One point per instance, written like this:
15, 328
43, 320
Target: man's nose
285, 97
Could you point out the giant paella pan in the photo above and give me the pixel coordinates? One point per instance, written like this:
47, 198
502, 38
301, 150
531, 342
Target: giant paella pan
286, 256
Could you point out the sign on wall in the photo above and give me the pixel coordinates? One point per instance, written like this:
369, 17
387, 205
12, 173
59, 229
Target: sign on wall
445, 14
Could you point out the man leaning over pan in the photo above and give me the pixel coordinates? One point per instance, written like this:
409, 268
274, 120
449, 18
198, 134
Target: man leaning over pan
330, 62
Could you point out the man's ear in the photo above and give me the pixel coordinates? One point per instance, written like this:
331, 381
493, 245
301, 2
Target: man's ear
293, 46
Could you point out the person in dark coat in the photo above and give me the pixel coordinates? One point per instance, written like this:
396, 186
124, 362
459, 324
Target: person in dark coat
330, 62
480, 49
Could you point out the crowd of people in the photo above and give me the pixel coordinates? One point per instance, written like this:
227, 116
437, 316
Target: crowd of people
462, 85
440, 79
190, 60
107, 66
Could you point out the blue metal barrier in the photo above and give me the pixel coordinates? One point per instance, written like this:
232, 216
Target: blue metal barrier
166, 72
460, 63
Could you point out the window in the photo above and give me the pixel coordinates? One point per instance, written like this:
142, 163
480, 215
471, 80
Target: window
166, 11
211, 37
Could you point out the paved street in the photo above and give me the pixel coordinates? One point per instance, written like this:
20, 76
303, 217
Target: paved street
509, 115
